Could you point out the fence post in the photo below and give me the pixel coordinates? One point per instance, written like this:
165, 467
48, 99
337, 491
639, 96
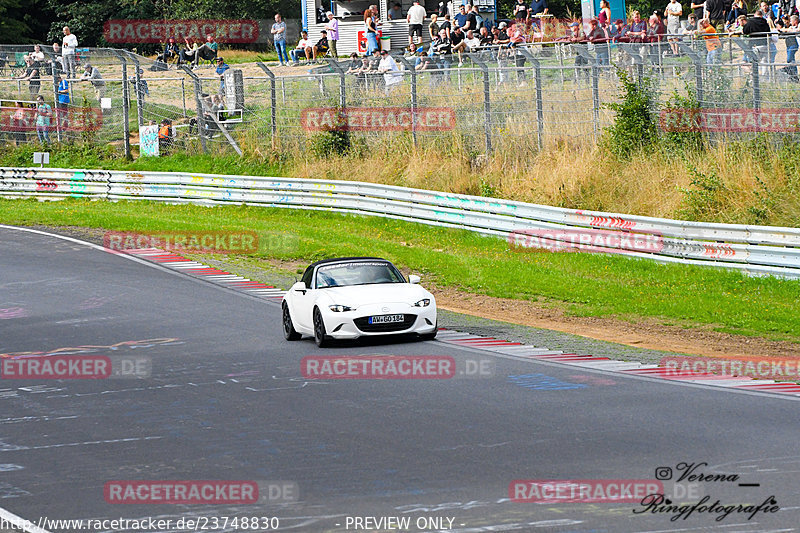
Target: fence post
342, 86
201, 121
410, 68
756, 86
595, 100
139, 92
56, 113
487, 104
126, 102
537, 76
273, 104
183, 95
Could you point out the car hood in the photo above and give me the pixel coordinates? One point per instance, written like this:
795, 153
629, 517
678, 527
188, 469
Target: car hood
378, 293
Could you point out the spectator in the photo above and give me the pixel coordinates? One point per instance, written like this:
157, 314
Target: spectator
520, 10
655, 29
391, 72
371, 29
472, 20
769, 16
460, 20
189, 53
300, 50
93, 75
697, 9
171, 50
19, 124
599, 37
674, 10
333, 33
486, 37
446, 25
62, 104
502, 37
716, 13
638, 29
140, 88
712, 41
43, 114
165, 137
738, 8
691, 26
791, 46
58, 60
442, 48
758, 29
473, 43
222, 66
604, 17
539, 7
207, 51
321, 48
738, 25
68, 46
396, 12
443, 9
433, 27
458, 44
32, 75
415, 17
620, 32
355, 64
279, 39
37, 55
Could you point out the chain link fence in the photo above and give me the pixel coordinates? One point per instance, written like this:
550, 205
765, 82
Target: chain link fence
498, 99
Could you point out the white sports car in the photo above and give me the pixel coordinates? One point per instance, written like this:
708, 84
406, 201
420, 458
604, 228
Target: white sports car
351, 297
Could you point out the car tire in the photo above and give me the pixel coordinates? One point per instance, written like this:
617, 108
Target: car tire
320, 337
289, 332
430, 336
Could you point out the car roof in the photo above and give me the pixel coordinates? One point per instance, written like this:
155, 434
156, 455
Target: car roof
346, 260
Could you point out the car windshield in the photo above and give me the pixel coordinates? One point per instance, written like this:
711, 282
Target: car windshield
361, 273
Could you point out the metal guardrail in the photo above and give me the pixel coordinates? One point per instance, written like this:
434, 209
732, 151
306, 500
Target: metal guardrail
758, 250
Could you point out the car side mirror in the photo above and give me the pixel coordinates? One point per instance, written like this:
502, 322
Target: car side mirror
300, 287
413, 278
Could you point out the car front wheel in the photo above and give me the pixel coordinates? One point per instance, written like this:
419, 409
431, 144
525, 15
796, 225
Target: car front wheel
289, 332
320, 336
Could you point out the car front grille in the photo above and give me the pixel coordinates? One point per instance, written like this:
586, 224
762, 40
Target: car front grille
363, 325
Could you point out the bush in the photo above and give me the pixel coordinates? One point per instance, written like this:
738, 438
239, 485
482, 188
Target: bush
634, 125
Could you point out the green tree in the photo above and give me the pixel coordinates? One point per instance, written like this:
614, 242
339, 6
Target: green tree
12, 25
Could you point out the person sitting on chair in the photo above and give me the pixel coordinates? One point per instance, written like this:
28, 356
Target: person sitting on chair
321, 48
171, 51
208, 51
189, 53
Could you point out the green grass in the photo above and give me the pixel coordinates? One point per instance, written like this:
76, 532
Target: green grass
582, 284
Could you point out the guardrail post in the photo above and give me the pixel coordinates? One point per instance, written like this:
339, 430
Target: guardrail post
201, 121
537, 76
487, 103
273, 103
414, 103
126, 102
756, 87
139, 91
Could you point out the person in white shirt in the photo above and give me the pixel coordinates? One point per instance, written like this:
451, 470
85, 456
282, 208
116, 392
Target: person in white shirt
674, 10
68, 46
300, 51
415, 17
473, 43
391, 72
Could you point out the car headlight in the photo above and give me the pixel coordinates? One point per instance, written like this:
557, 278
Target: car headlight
339, 308
425, 302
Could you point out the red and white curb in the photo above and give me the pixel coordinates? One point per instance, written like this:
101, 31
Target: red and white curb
490, 344
181, 264
516, 349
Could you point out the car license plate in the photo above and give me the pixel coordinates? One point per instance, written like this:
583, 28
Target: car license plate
385, 319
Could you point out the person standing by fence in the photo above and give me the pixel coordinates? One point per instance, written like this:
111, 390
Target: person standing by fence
279, 38
371, 28
68, 47
43, 114
332, 27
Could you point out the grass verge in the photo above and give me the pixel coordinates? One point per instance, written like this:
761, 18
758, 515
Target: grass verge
581, 284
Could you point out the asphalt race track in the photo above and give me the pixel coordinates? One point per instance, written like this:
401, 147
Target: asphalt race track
225, 400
